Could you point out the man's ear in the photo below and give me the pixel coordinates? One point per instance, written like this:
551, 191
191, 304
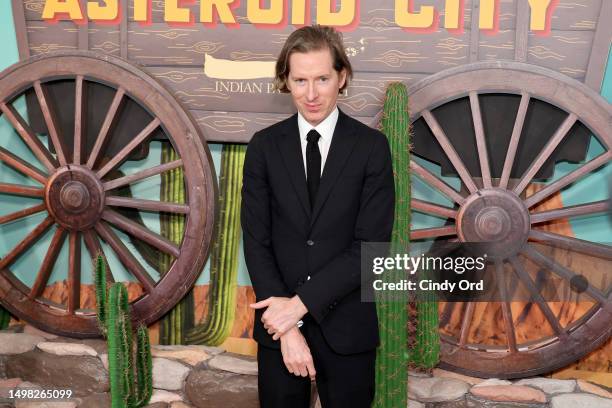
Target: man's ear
341, 78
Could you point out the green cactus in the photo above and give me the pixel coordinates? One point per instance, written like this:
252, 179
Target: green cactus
112, 309
175, 324
5, 318
224, 257
391, 367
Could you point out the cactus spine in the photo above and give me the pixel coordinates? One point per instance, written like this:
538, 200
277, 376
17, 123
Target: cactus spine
224, 257
112, 310
391, 367
174, 325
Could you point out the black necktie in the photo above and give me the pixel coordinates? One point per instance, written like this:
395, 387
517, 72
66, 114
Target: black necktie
313, 164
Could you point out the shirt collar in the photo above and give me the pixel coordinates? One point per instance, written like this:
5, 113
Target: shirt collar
325, 128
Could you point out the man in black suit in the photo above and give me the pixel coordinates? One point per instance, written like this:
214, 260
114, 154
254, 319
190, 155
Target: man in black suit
316, 186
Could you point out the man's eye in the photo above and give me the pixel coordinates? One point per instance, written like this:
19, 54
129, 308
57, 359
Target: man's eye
323, 79
298, 81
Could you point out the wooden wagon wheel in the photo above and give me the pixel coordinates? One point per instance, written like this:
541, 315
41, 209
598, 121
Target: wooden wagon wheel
80, 197
497, 207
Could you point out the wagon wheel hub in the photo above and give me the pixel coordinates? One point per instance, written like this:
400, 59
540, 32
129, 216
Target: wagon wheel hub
497, 217
75, 197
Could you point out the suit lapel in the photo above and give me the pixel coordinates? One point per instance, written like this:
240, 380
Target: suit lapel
342, 144
291, 153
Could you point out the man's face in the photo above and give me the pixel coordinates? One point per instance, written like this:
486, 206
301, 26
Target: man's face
314, 84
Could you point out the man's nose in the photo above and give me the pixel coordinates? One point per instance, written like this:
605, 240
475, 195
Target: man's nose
312, 92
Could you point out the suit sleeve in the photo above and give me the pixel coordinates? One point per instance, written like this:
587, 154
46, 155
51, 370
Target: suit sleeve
374, 223
256, 225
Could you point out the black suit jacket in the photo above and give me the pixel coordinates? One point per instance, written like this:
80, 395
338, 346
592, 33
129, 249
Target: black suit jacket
286, 241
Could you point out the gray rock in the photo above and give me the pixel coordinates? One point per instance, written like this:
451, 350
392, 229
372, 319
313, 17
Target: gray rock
550, 386
97, 344
160, 404
209, 388
436, 389
168, 374
7, 385
37, 332
81, 374
192, 355
164, 396
579, 401
415, 404
475, 402
492, 381
234, 363
97, 400
213, 351
3, 366
45, 404
104, 360
67, 349
17, 343
180, 404
459, 403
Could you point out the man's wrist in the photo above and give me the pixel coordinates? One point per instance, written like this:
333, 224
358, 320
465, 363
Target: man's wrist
299, 305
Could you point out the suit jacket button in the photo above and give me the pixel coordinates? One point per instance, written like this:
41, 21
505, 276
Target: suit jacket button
310, 242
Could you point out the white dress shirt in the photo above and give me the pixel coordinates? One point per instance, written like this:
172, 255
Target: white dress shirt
325, 129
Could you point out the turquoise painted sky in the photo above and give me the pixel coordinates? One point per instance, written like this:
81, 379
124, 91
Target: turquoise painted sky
593, 228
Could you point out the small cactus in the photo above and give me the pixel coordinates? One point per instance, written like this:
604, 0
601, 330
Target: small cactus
112, 308
5, 318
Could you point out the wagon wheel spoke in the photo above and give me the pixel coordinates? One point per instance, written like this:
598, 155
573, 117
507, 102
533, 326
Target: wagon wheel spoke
481, 144
95, 250
537, 297
569, 178
433, 232
450, 151
135, 142
22, 166
80, 106
466, 323
436, 183
51, 122
28, 241
550, 147
111, 116
21, 190
514, 140
573, 244
29, 138
506, 309
126, 257
22, 213
74, 272
141, 232
530, 252
125, 180
431, 208
148, 205
571, 211
48, 262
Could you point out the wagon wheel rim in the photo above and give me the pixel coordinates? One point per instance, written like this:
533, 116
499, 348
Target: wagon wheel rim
78, 195
475, 221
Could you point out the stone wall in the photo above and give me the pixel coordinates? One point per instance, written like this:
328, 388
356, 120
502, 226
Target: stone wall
200, 376
183, 376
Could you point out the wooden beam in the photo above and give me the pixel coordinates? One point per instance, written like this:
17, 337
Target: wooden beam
20, 29
83, 35
521, 37
123, 30
474, 31
600, 48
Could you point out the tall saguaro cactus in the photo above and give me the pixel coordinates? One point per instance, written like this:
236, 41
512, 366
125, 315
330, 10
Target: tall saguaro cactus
224, 257
114, 319
175, 324
391, 367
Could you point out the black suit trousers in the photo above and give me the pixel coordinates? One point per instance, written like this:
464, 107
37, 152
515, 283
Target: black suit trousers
343, 381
